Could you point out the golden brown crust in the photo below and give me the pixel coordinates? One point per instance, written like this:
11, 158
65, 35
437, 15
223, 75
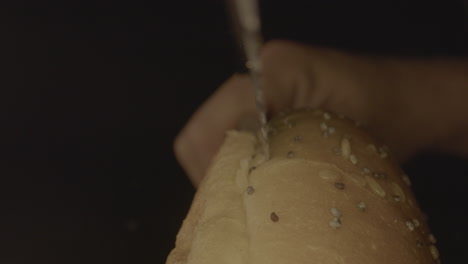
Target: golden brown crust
214, 230
329, 194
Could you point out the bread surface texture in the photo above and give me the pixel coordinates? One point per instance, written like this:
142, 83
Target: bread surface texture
329, 194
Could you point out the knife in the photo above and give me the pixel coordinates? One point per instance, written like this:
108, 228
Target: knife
248, 30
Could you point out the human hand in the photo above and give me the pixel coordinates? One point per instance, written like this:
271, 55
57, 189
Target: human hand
366, 89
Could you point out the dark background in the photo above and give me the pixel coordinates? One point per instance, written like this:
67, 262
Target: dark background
92, 94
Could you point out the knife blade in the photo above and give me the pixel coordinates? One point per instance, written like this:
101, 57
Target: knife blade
247, 17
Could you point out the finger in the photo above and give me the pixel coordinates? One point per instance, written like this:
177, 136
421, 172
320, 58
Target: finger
287, 79
200, 139
290, 75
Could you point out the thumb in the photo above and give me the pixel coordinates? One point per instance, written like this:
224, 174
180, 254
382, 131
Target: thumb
204, 133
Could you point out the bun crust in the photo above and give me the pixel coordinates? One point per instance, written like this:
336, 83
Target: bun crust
328, 194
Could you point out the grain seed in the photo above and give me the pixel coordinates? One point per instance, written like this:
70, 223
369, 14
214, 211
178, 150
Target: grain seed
335, 212
419, 244
274, 217
340, 185
362, 206
375, 186
372, 148
323, 126
434, 251
345, 148
297, 139
406, 179
410, 225
397, 191
337, 151
335, 223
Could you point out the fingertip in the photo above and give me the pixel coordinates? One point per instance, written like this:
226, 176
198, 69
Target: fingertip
200, 139
178, 146
277, 45
183, 150
280, 48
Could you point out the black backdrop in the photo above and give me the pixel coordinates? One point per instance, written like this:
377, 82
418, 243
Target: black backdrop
92, 94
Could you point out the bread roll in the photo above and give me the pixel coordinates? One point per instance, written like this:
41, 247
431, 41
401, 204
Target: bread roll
328, 194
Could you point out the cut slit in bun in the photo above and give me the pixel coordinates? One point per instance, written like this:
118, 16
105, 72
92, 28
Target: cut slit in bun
328, 194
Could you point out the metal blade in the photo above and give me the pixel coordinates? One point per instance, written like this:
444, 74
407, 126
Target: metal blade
248, 18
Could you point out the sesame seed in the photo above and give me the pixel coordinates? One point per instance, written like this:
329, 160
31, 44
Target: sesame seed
335, 212
372, 148
337, 151
432, 239
340, 185
419, 244
396, 198
416, 222
291, 154
274, 217
323, 126
375, 186
434, 251
365, 171
335, 223
345, 148
331, 130
410, 225
297, 139
406, 179
250, 190
379, 175
398, 192
362, 206
383, 153
326, 116
353, 159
